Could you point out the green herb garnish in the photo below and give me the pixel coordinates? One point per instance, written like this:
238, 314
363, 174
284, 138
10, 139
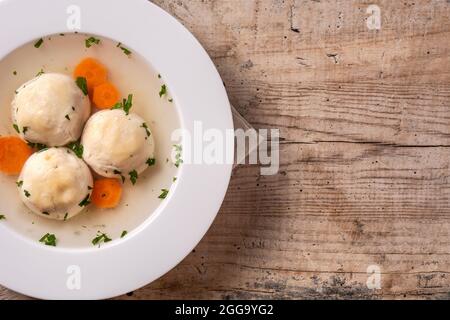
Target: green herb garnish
164, 193
19, 183
40, 73
144, 125
91, 41
163, 91
67, 117
119, 173
15, 73
124, 233
133, 176
49, 240
101, 237
65, 216
151, 161
39, 43
24, 130
16, 127
125, 50
174, 179
38, 146
77, 148
126, 104
82, 84
46, 213
85, 202
178, 159
2, 217
27, 194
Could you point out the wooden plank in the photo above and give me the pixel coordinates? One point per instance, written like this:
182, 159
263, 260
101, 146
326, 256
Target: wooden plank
364, 178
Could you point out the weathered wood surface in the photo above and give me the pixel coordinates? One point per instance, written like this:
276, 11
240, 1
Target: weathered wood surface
364, 179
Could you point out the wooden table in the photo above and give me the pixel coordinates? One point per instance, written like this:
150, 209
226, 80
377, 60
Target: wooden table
365, 126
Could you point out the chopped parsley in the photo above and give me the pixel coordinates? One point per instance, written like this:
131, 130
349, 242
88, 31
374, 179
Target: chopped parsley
163, 91
170, 100
133, 176
46, 213
82, 84
126, 104
24, 130
38, 146
124, 233
27, 194
119, 173
19, 183
2, 217
85, 202
39, 43
15, 73
164, 193
151, 162
91, 41
16, 127
174, 179
67, 117
178, 159
40, 73
77, 148
49, 240
101, 237
159, 76
125, 50
65, 216
144, 125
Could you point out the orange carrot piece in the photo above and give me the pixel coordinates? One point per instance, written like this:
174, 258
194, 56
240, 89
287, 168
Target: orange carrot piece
14, 152
105, 95
93, 71
106, 193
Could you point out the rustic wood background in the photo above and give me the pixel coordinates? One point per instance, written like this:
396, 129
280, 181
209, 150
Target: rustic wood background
364, 179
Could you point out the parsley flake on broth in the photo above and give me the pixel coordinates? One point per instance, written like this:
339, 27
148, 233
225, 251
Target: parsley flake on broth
39, 43
82, 84
163, 91
133, 176
151, 162
124, 233
85, 202
2, 217
40, 73
49, 240
101, 237
164, 193
89, 42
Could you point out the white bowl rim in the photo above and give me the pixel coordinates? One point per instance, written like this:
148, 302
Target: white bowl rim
178, 225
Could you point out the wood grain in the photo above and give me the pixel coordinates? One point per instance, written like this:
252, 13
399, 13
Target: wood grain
364, 117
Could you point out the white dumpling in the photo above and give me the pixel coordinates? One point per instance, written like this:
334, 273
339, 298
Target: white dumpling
50, 109
55, 183
116, 144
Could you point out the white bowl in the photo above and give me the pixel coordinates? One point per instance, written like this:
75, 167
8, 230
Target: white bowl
176, 227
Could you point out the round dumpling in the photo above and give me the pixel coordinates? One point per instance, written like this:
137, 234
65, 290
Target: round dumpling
55, 183
117, 144
51, 110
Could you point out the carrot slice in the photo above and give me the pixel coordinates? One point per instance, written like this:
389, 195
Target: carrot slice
14, 152
105, 95
106, 193
93, 71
